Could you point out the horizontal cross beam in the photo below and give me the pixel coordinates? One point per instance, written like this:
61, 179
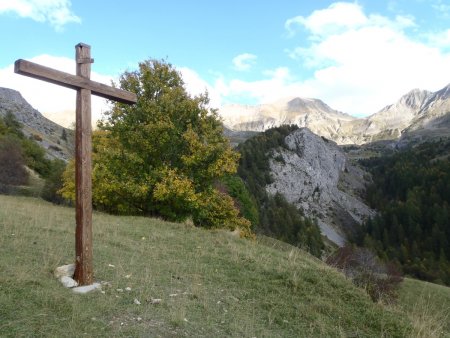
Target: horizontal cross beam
36, 71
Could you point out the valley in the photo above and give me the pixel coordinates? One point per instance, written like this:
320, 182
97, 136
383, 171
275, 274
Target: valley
302, 180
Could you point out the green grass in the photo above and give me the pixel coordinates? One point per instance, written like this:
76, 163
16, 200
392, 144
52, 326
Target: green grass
211, 283
428, 306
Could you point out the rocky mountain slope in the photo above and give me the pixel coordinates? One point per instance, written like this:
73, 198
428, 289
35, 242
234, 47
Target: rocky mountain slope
311, 113
416, 110
57, 140
432, 119
315, 175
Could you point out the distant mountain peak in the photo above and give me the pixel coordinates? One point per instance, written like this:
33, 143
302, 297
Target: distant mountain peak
387, 124
298, 104
414, 98
444, 93
12, 96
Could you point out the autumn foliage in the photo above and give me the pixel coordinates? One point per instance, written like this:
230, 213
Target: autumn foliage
164, 155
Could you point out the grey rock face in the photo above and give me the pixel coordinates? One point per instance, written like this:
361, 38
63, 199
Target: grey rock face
432, 121
41, 129
315, 175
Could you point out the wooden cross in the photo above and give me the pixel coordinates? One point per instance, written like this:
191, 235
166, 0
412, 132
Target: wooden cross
83, 144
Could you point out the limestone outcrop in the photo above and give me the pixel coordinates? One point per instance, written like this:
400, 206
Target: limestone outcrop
314, 174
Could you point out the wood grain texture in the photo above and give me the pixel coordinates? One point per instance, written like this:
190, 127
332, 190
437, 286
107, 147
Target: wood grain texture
84, 86
83, 175
54, 76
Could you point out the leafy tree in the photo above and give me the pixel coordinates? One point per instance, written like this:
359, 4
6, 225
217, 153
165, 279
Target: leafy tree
235, 187
163, 155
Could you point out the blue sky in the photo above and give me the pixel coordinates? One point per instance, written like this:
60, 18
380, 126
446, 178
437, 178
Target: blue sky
357, 56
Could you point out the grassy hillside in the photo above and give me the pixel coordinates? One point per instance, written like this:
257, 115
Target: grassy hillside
428, 306
210, 283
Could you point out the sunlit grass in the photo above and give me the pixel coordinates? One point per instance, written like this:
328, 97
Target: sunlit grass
428, 306
211, 284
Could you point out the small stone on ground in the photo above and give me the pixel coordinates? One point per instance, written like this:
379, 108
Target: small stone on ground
68, 282
65, 270
87, 288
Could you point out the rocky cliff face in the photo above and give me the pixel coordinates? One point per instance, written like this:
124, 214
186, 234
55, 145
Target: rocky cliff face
47, 133
315, 175
417, 109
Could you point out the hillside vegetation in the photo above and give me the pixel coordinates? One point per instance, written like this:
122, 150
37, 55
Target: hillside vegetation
412, 191
24, 165
277, 217
210, 283
162, 156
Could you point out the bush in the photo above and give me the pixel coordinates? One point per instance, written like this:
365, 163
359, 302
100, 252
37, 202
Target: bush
12, 163
366, 271
54, 182
235, 187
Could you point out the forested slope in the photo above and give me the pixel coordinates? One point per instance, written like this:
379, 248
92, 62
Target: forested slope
412, 191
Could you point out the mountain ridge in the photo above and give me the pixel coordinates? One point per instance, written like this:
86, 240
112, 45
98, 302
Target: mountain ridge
36, 126
415, 108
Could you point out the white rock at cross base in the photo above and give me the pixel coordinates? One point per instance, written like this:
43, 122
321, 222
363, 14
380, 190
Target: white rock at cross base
65, 270
68, 282
87, 288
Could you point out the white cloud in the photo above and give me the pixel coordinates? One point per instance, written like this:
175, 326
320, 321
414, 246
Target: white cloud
195, 85
55, 102
276, 84
56, 12
244, 61
340, 15
440, 39
358, 62
368, 62
442, 8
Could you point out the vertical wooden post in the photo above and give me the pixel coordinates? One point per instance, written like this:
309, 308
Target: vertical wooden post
83, 171
83, 144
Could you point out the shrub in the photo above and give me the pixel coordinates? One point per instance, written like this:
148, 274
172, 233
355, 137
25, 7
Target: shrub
235, 187
54, 182
366, 271
12, 164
